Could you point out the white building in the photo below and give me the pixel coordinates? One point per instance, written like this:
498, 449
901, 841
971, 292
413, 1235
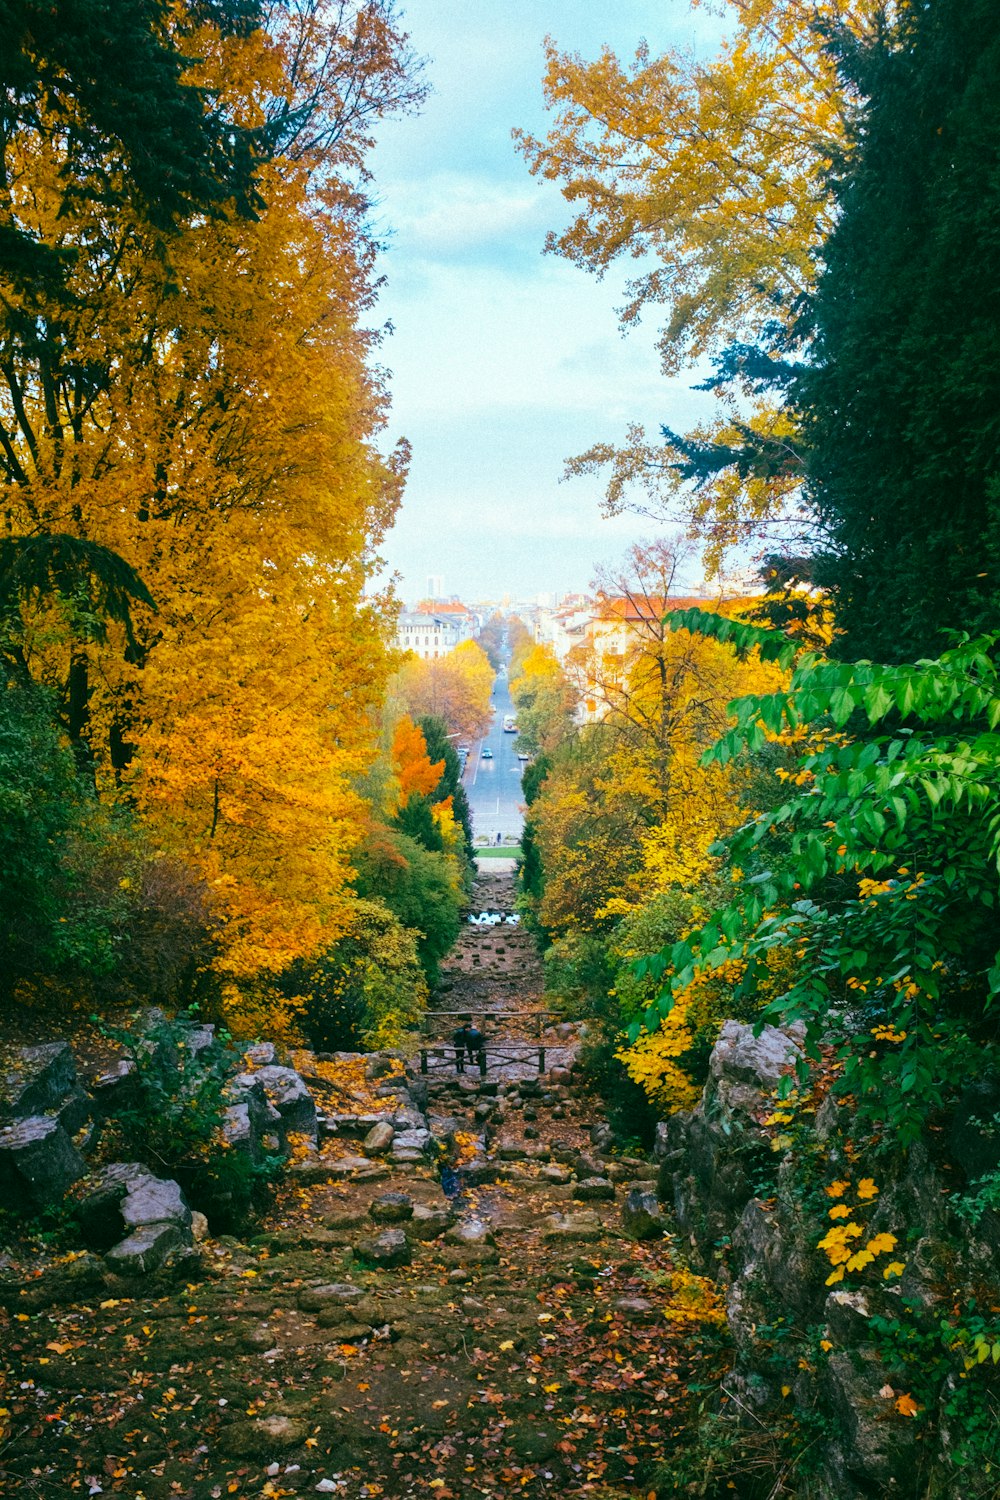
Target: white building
427, 635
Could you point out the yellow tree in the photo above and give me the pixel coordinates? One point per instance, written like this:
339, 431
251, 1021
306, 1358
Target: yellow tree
545, 701
203, 404
455, 687
715, 174
629, 810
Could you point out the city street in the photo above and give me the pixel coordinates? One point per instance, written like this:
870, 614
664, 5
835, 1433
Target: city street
494, 786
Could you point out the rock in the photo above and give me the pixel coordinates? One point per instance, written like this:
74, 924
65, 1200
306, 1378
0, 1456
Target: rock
391, 1208
594, 1190
146, 1249
470, 1232
388, 1249
287, 1093
75, 1111
635, 1309
116, 1087
847, 1317
584, 1165
642, 1216
98, 1198
412, 1140
379, 1139
428, 1223
38, 1160
661, 1141
602, 1136
443, 1127
560, 1077
510, 1151
382, 1064
743, 1066
261, 1438
260, 1054
558, 1113
349, 1330
408, 1118
582, 1227
880, 1445
557, 1175
331, 1293
37, 1079
357, 1126
565, 1031
199, 1226
152, 1200
346, 1166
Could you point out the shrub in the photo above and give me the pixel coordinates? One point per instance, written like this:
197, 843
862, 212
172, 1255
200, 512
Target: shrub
176, 1123
366, 991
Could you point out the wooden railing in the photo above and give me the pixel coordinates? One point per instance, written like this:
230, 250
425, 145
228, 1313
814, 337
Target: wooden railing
498, 1051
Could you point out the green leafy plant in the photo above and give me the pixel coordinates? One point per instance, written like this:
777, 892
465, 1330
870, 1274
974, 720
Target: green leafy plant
175, 1124
877, 875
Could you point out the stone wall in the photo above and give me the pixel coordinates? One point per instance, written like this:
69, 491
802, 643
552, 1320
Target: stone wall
752, 1216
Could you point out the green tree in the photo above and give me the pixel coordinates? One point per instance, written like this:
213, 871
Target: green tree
441, 746
105, 83
419, 885
900, 410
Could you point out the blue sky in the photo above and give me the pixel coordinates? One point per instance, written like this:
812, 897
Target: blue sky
505, 361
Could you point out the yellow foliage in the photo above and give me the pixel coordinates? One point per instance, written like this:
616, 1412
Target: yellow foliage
225, 451
455, 687
693, 1299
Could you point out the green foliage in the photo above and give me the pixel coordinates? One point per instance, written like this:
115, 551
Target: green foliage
415, 819
110, 79
419, 886
91, 583
878, 876
899, 404
85, 908
365, 992
175, 1125
441, 746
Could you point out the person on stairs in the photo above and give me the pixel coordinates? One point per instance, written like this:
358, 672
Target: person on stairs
469, 1039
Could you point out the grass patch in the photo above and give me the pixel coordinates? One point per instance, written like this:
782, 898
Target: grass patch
491, 851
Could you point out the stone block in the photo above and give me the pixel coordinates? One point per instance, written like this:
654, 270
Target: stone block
36, 1080
642, 1216
146, 1249
38, 1160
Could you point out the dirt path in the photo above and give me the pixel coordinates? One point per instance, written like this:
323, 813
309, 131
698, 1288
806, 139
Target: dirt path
523, 1344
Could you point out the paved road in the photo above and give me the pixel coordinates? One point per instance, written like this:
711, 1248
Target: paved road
494, 786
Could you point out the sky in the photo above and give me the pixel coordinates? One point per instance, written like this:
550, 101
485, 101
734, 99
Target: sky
505, 362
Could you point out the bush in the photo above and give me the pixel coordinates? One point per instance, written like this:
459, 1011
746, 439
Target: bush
175, 1125
367, 991
421, 887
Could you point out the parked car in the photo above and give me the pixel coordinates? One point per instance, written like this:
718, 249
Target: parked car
487, 754
523, 755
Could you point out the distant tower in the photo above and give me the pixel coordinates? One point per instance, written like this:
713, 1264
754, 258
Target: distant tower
435, 586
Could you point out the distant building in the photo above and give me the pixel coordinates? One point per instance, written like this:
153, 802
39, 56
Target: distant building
435, 586
428, 635
467, 622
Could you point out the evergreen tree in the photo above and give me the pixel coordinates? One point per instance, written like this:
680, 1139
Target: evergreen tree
901, 408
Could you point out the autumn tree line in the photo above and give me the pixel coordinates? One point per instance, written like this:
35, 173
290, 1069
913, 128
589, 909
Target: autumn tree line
788, 808
218, 782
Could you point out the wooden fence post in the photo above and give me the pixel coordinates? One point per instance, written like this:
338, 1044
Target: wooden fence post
423, 1059
541, 1059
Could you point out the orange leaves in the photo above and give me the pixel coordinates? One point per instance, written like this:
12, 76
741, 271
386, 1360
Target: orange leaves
413, 766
